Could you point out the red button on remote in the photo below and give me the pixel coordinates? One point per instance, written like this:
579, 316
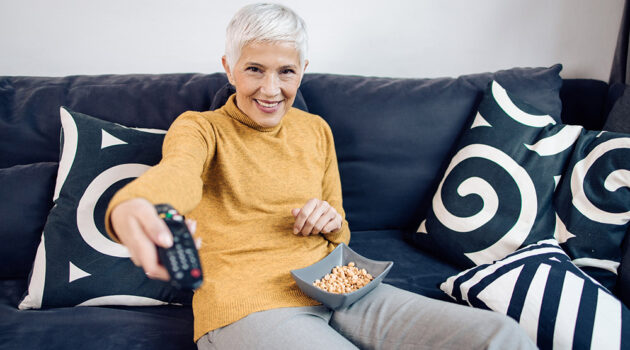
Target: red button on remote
195, 273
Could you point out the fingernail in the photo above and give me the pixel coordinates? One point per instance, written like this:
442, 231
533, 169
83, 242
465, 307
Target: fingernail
295, 231
166, 239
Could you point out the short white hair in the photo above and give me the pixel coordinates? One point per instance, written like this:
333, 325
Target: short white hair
264, 23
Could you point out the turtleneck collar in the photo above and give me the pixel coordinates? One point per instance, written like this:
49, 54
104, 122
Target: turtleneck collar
234, 112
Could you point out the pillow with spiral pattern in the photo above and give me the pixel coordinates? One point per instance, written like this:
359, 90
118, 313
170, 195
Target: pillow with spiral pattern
496, 194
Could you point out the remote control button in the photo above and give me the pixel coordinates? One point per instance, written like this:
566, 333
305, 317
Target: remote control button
195, 273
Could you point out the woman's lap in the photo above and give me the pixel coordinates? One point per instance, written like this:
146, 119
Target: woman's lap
392, 318
284, 328
386, 318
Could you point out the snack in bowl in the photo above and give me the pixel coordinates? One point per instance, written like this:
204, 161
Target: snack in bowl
344, 279
342, 255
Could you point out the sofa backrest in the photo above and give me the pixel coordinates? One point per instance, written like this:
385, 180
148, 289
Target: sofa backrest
394, 135
29, 106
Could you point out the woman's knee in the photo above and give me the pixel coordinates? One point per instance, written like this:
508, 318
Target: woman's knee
507, 333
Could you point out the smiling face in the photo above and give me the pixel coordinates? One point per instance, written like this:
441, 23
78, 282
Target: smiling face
266, 77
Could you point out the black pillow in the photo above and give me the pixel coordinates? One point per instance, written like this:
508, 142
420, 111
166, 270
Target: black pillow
26, 198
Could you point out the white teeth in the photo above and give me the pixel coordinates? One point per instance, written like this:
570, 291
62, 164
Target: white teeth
268, 105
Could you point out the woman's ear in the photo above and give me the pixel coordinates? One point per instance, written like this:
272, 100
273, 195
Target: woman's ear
303, 70
226, 67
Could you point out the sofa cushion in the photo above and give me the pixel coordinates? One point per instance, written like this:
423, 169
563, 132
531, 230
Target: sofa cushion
377, 121
100, 328
413, 270
76, 262
593, 203
496, 194
557, 304
26, 193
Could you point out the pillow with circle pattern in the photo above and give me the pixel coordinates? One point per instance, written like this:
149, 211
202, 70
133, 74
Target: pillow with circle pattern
77, 263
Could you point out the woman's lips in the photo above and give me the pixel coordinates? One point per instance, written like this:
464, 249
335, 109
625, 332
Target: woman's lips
268, 106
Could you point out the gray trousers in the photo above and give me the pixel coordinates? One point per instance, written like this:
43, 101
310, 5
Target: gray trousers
386, 318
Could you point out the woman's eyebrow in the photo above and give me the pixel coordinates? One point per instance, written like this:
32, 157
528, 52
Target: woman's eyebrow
254, 64
288, 66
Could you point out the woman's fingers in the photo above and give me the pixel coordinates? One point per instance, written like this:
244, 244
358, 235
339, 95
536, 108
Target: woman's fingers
329, 222
139, 228
320, 217
334, 224
303, 215
145, 251
315, 217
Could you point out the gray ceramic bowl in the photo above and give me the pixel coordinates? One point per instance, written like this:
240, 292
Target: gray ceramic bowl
342, 255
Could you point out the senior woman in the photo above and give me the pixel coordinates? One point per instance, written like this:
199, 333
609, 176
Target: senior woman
261, 180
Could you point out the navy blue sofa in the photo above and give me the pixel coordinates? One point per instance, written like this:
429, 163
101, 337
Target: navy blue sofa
393, 138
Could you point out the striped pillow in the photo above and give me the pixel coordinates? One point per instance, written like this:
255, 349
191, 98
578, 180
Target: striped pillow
558, 305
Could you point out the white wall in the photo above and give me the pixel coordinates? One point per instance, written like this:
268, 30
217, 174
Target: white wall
423, 38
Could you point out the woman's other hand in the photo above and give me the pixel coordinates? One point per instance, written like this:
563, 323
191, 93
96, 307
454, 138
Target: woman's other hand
316, 216
140, 229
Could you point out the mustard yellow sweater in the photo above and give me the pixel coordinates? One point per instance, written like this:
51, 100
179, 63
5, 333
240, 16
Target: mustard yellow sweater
239, 181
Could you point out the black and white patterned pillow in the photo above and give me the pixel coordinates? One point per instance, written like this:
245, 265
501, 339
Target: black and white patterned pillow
593, 203
76, 262
556, 303
496, 194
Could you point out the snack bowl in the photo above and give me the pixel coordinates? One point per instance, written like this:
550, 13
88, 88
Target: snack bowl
342, 255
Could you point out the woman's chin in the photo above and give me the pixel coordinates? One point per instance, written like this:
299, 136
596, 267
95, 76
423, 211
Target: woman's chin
269, 122
268, 117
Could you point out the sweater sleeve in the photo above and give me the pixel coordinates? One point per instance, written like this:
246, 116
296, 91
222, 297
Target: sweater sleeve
188, 146
331, 189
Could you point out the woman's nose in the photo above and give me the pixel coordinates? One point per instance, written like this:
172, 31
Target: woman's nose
271, 85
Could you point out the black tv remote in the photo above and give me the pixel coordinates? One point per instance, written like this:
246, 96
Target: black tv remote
181, 259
